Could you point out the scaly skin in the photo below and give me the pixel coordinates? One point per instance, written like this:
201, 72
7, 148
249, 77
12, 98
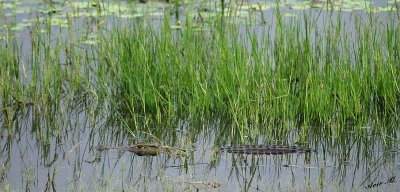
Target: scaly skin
266, 149
154, 149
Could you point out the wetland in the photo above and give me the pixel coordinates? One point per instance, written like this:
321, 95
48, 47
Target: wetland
251, 95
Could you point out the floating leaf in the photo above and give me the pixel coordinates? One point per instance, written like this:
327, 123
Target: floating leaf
176, 27
20, 26
91, 39
59, 22
300, 7
90, 42
51, 9
290, 15
130, 16
133, 9
256, 7
7, 5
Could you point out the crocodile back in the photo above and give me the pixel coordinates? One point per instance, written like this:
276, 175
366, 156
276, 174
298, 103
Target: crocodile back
266, 149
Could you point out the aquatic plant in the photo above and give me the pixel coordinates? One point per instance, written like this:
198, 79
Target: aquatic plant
308, 69
292, 69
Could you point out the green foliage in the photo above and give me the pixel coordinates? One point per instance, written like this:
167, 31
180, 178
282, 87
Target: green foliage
305, 72
310, 69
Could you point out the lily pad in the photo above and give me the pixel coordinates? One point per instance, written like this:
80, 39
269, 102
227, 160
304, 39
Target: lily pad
90, 42
256, 7
20, 26
7, 5
290, 15
91, 39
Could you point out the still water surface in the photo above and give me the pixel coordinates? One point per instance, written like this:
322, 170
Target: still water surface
71, 163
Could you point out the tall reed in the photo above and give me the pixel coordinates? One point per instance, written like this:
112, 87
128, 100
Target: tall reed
304, 72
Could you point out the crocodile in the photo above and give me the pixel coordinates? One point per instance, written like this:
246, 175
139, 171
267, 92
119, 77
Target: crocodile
154, 149
266, 149
142, 149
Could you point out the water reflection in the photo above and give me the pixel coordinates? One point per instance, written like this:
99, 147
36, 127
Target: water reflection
67, 159
50, 146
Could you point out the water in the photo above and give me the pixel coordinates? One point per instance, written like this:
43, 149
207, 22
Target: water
70, 162
40, 153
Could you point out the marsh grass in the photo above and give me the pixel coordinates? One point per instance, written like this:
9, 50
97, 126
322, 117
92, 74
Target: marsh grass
342, 71
43, 82
311, 69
